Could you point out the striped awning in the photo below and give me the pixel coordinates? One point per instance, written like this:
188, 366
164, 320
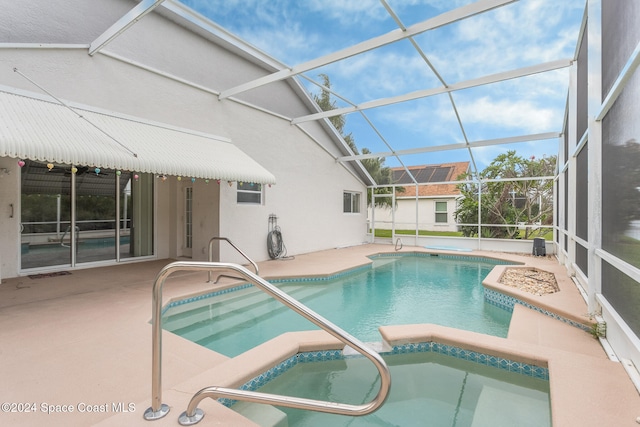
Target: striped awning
51, 132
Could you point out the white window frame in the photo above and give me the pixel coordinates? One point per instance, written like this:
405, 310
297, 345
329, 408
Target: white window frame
251, 190
439, 212
354, 204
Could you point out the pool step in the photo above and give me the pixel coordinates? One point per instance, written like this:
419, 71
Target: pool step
183, 315
200, 323
377, 346
521, 410
263, 415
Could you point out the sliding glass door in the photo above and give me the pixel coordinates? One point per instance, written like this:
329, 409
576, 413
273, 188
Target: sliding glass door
45, 209
80, 214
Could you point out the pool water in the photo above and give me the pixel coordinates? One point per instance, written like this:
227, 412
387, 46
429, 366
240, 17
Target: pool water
395, 291
427, 389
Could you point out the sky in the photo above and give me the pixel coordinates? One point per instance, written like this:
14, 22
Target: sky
520, 34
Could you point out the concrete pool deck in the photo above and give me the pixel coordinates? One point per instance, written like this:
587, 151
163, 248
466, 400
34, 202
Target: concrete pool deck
82, 342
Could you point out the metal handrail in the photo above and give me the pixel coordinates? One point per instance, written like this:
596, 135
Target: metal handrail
193, 414
77, 234
255, 266
398, 240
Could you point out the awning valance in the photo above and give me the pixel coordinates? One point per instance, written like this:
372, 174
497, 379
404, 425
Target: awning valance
46, 131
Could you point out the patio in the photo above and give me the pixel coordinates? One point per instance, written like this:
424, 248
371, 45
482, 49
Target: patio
84, 340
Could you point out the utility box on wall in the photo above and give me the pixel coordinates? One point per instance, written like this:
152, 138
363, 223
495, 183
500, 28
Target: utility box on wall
539, 247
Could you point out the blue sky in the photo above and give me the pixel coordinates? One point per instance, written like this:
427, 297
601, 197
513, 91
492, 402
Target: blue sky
520, 34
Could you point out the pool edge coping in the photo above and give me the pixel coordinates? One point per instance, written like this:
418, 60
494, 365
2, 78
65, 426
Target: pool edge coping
241, 369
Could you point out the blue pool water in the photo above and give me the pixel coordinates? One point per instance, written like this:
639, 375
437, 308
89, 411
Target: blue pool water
427, 390
396, 290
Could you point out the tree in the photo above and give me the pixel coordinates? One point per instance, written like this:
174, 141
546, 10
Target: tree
381, 174
325, 103
621, 191
528, 201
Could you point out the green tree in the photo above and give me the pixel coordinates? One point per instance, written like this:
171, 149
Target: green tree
528, 201
621, 183
380, 173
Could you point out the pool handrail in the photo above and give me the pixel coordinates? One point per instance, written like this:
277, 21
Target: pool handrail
65, 235
193, 414
213, 239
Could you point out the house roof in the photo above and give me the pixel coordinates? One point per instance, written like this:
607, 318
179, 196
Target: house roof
427, 177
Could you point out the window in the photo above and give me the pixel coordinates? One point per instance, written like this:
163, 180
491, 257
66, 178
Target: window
441, 212
250, 193
351, 202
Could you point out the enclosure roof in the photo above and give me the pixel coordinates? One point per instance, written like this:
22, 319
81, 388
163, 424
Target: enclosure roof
413, 82
59, 133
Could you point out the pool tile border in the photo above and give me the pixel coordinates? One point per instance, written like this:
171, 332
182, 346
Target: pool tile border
507, 302
183, 301
446, 256
341, 274
508, 365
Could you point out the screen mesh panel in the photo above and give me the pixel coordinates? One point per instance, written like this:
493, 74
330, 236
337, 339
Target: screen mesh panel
620, 36
623, 293
582, 194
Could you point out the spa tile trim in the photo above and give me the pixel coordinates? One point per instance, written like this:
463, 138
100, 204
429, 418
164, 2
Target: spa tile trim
424, 347
507, 302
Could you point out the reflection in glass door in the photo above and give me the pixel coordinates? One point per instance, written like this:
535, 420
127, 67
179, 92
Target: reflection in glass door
188, 222
107, 216
45, 209
95, 214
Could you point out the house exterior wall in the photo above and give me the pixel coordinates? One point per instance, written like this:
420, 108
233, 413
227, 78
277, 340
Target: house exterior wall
163, 72
9, 217
405, 215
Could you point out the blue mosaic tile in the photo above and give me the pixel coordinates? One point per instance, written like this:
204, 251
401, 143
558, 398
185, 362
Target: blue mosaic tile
178, 303
422, 347
342, 274
507, 302
446, 256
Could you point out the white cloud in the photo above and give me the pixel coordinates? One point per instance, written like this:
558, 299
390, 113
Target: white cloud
288, 44
524, 33
349, 12
381, 75
509, 114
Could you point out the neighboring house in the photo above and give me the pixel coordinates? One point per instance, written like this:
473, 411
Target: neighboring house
436, 202
109, 114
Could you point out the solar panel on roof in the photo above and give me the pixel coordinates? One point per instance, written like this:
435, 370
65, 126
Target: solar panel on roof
424, 174
401, 177
440, 174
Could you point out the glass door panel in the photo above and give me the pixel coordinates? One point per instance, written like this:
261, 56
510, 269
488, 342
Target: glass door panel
45, 212
104, 200
125, 218
95, 214
142, 215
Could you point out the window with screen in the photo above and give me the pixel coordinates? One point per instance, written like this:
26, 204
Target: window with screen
441, 213
249, 193
351, 202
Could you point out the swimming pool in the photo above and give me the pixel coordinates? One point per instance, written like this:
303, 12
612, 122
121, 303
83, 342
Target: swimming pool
428, 389
395, 290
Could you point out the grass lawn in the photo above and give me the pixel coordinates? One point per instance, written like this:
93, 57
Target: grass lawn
387, 233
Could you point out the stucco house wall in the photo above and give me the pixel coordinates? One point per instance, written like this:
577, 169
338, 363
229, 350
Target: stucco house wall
162, 70
405, 214
435, 185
